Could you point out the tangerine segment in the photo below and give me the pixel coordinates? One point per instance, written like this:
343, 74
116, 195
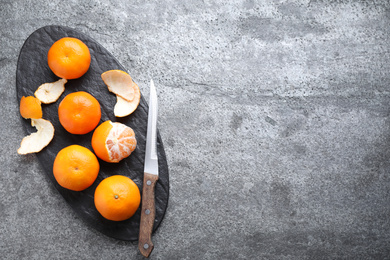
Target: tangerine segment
69, 58
75, 168
79, 112
120, 142
113, 141
117, 198
30, 107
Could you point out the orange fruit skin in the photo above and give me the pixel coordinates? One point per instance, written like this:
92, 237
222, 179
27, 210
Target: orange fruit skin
30, 107
99, 140
105, 138
117, 198
75, 168
79, 112
69, 58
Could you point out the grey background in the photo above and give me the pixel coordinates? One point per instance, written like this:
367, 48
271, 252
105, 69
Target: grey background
274, 117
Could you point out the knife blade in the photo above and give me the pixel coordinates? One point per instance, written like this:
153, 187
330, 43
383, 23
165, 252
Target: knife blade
148, 210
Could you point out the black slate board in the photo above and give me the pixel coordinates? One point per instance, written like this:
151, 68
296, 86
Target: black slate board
32, 71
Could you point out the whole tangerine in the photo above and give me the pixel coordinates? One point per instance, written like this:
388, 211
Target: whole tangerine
75, 168
117, 198
69, 58
79, 112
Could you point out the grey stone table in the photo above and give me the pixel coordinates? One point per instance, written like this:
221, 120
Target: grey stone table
275, 117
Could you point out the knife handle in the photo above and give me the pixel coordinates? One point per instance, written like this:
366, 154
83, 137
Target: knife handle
148, 213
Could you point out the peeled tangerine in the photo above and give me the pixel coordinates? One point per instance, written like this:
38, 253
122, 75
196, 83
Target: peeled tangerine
35, 142
113, 141
50, 92
128, 94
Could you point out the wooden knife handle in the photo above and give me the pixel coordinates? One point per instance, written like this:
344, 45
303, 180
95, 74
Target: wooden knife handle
148, 213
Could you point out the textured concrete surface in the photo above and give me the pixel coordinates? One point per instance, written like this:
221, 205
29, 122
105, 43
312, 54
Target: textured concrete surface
274, 116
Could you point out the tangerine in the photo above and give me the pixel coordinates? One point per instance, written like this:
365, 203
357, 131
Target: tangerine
75, 167
113, 141
117, 198
69, 58
79, 112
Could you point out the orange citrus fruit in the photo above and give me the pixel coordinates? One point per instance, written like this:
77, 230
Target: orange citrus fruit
75, 167
30, 107
113, 141
117, 198
79, 112
69, 58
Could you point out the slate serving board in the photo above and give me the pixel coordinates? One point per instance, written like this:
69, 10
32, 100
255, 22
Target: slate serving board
32, 71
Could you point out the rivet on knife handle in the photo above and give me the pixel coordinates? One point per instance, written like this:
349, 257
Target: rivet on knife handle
148, 213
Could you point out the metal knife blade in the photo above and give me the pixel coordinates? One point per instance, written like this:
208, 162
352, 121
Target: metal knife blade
148, 209
151, 160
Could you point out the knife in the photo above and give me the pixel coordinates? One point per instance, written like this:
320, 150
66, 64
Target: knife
148, 210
